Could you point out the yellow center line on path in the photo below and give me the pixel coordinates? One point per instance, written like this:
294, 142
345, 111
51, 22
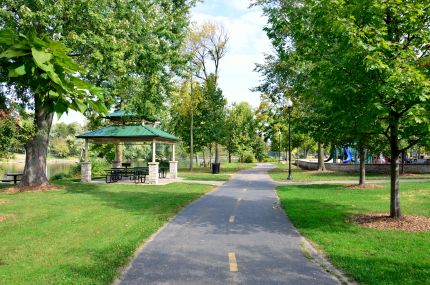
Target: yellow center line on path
231, 220
232, 261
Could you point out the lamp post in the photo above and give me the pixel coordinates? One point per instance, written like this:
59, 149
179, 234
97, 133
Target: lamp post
279, 152
289, 105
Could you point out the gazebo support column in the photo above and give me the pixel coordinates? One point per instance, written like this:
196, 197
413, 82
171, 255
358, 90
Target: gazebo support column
118, 156
173, 165
153, 166
86, 166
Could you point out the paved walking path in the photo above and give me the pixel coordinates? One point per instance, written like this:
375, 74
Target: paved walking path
234, 235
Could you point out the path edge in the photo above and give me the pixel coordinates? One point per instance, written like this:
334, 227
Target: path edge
124, 269
312, 253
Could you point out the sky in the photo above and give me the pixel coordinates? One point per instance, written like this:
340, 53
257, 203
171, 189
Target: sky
247, 45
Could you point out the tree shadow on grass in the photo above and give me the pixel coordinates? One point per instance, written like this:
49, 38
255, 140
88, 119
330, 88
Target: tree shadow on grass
137, 199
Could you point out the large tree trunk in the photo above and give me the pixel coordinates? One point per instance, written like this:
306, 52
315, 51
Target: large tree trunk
36, 148
395, 185
321, 165
229, 157
362, 154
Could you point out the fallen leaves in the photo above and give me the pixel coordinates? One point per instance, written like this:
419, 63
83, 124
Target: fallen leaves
365, 186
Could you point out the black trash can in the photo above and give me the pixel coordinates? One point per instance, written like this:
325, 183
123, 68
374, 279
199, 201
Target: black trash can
215, 168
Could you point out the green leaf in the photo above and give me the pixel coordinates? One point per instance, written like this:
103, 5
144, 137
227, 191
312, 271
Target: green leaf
11, 53
81, 106
40, 56
7, 37
54, 77
16, 72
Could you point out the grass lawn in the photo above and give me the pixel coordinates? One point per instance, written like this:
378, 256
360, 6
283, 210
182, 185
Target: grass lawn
299, 175
370, 256
84, 233
205, 173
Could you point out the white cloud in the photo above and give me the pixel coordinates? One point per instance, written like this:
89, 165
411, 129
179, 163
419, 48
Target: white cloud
239, 5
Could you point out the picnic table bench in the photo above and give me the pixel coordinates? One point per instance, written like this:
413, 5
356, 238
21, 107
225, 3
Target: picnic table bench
163, 171
15, 178
138, 174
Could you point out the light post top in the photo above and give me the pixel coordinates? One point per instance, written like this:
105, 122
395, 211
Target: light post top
289, 103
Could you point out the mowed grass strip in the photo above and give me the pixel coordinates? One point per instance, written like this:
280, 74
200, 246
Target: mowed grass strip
205, 173
85, 233
370, 256
300, 175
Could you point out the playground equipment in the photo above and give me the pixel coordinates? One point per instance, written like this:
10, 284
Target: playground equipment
348, 153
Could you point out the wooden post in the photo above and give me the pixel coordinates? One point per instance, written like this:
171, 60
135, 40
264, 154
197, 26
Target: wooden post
86, 150
153, 150
173, 152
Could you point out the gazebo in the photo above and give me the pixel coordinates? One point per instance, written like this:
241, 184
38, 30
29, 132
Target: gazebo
128, 128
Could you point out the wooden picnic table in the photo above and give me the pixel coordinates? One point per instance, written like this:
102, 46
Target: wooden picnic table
135, 173
15, 177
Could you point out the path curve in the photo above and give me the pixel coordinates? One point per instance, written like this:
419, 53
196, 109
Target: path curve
233, 235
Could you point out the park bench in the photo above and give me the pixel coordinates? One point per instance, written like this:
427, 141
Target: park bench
139, 174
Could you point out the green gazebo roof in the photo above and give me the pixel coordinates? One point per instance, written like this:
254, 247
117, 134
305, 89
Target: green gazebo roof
128, 134
122, 115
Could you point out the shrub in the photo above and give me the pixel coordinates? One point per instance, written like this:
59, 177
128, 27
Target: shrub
60, 176
98, 166
248, 158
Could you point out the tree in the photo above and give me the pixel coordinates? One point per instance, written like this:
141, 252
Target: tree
42, 68
14, 129
185, 107
377, 58
208, 43
240, 131
133, 48
63, 140
213, 111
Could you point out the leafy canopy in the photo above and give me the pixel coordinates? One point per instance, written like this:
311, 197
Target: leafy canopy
43, 66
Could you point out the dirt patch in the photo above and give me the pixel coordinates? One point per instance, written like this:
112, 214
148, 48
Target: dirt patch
6, 217
42, 188
365, 186
3, 201
383, 221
